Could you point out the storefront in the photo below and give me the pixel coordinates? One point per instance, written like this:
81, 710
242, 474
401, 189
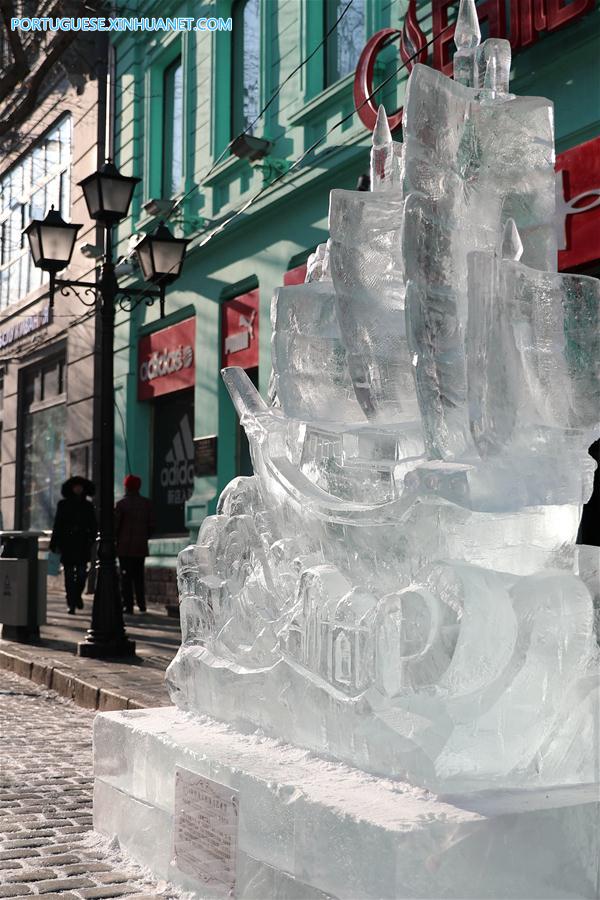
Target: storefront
166, 378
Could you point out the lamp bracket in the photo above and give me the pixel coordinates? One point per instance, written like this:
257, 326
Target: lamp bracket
127, 299
85, 291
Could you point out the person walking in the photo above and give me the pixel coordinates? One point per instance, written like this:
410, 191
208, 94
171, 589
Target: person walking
134, 523
73, 535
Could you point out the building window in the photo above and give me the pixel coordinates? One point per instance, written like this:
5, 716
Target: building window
40, 179
172, 129
342, 654
44, 452
245, 104
347, 40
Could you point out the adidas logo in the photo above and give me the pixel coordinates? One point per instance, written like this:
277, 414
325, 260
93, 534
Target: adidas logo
178, 469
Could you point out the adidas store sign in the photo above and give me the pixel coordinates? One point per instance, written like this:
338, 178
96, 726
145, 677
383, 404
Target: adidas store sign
165, 363
166, 360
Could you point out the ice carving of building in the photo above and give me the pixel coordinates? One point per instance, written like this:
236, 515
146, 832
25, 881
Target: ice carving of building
396, 585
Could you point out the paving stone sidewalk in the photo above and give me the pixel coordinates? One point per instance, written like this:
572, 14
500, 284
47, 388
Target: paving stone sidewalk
97, 684
47, 846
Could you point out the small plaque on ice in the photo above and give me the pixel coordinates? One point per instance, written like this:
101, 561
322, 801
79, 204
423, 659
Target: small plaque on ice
205, 831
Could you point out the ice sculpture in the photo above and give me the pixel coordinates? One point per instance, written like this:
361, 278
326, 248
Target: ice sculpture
395, 585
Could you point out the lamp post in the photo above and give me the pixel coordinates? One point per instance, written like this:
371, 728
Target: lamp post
108, 196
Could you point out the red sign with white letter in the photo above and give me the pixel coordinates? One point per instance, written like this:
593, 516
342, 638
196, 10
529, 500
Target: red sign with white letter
166, 360
578, 205
239, 325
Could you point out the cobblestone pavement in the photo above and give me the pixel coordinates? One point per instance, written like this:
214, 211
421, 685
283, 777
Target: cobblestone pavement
97, 683
47, 846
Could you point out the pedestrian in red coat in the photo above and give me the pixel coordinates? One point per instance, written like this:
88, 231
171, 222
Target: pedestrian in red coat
134, 523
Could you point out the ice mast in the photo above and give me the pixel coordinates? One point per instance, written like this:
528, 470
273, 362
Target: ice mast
386, 155
467, 37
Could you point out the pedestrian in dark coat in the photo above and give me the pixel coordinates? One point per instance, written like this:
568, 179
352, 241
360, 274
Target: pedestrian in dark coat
589, 527
73, 536
134, 523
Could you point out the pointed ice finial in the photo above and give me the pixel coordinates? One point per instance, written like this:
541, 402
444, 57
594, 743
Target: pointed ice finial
512, 246
382, 153
490, 77
493, 66
467, 33
381, 133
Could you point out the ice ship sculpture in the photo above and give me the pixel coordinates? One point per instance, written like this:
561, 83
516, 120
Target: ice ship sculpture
395, 587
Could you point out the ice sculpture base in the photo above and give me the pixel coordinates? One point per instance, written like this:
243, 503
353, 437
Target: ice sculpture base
312, 829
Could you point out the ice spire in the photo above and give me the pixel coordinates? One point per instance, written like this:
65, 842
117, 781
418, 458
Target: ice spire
512, 246
492, 63
382, 152
382, 136
489, 80
467, 36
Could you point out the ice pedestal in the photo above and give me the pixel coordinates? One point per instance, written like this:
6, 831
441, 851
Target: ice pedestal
311, 829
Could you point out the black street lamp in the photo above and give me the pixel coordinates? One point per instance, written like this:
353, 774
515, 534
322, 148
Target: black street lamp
108, 196
51, 241
161, 259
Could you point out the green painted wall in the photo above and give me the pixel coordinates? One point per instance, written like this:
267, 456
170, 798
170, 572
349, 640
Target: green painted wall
291, 217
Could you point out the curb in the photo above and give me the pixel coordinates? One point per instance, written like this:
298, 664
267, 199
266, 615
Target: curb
66, 684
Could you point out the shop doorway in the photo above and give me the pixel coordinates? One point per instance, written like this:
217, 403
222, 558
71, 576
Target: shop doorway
172, 460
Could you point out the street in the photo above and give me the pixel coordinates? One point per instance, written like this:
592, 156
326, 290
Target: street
47, 845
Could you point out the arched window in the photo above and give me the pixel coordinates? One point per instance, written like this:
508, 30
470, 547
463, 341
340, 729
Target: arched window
245, 87
346, 42
342, 656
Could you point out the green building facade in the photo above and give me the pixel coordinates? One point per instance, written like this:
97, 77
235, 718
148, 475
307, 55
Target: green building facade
179, 99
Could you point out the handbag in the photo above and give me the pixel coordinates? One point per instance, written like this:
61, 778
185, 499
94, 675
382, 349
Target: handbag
53, 563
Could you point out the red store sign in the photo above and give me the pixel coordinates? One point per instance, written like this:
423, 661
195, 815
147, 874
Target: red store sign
578, 205
239, 327
166, 360
521, 21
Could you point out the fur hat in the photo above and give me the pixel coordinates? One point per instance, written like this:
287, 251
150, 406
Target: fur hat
89, 488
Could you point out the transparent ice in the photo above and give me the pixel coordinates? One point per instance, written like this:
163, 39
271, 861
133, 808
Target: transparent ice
396, 585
